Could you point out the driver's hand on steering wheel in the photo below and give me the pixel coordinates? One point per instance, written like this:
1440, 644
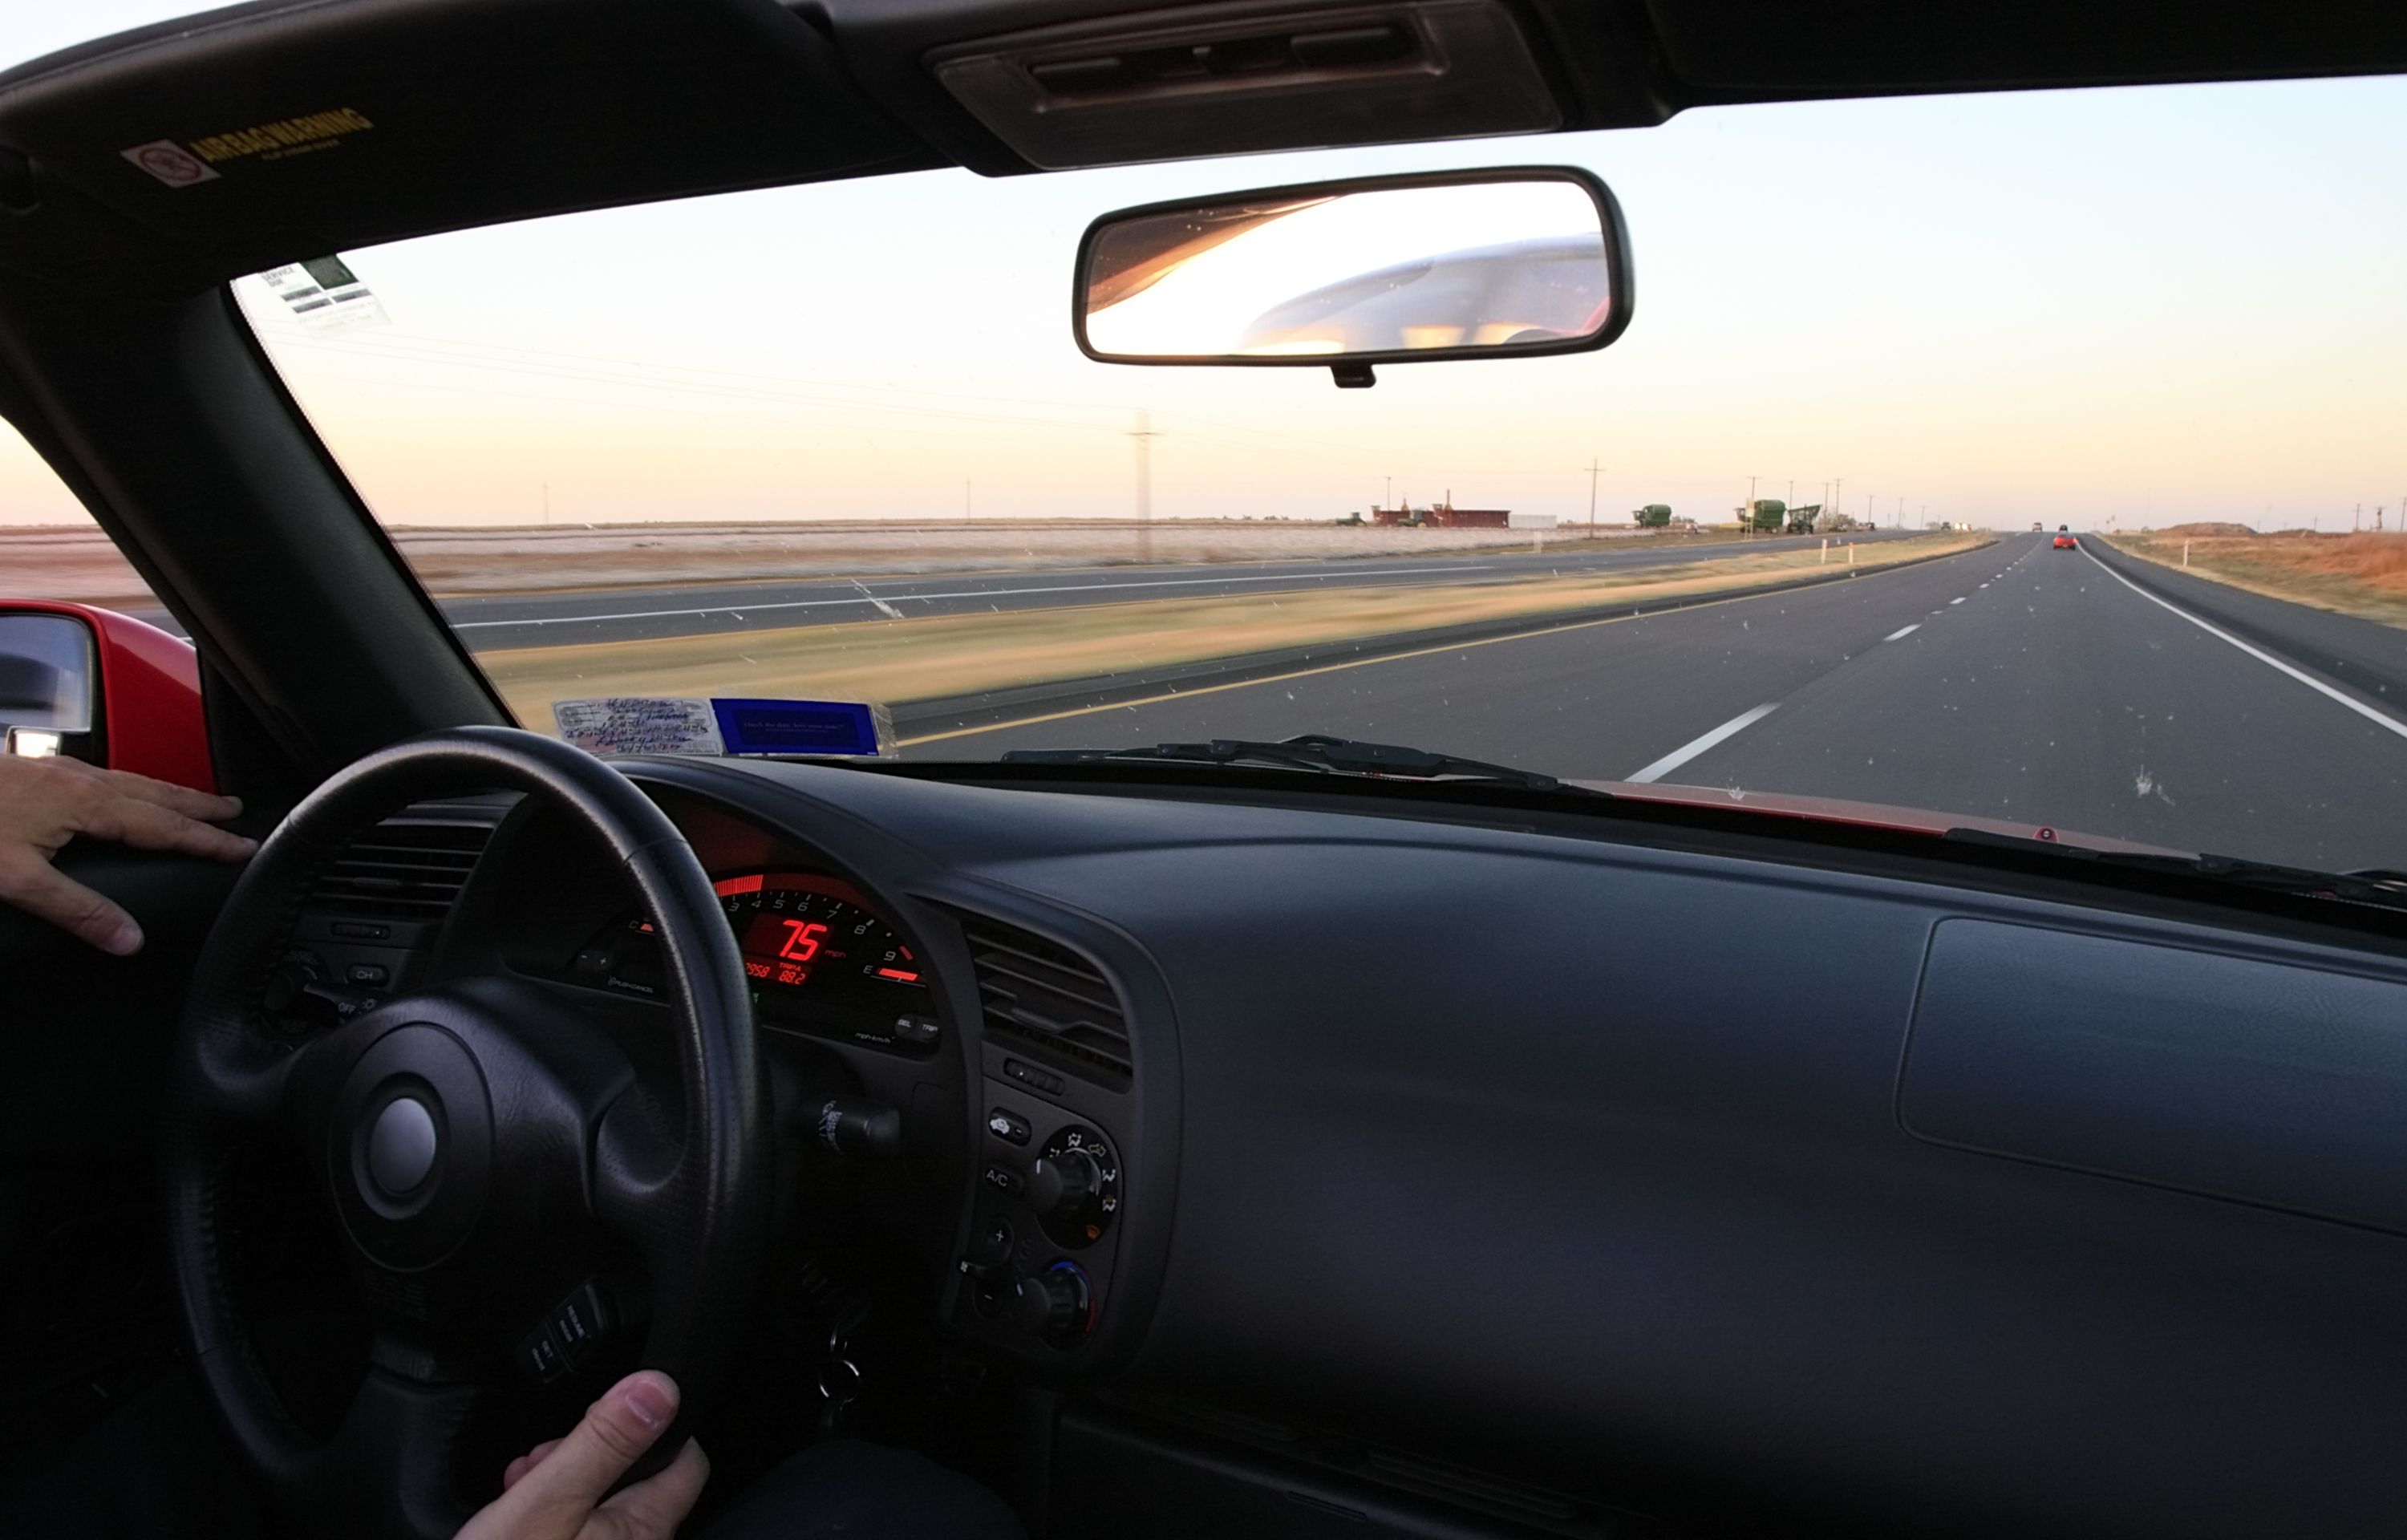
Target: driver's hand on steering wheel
46, 802
554, 1491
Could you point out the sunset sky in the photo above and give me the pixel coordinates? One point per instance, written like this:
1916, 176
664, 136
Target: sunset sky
2146, 305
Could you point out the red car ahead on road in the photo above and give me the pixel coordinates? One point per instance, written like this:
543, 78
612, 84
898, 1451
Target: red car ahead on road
2066, 542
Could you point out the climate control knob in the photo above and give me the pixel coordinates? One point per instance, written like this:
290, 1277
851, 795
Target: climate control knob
1074, 1186
1063, 1183
1055, 1306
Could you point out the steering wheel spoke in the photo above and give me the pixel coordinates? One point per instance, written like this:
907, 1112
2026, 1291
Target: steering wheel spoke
399, 1447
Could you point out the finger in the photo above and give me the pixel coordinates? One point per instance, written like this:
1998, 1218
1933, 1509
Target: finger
526, 1463
148, 826
616, 1431
652, 1508
33, 885
174, 798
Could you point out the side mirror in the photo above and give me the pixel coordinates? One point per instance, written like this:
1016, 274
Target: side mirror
94, 685
1500, 264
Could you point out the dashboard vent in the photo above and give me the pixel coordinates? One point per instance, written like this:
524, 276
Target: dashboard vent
405, 868
1042, 996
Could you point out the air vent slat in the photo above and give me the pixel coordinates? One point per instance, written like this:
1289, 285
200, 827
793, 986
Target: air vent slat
400, 870
1044, 997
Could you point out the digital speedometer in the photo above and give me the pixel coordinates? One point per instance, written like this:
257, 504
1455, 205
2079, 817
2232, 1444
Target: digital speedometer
793, 927
818, 957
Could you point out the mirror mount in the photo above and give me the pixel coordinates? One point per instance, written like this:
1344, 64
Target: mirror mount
1353, 377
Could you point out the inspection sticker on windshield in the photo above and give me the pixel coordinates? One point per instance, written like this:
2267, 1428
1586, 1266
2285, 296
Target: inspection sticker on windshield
325, 295
639, 724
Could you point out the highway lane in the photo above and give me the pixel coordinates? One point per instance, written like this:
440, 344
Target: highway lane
2064, 695
2016, 682
491, 622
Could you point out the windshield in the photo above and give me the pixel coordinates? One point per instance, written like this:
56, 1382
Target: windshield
2029, 457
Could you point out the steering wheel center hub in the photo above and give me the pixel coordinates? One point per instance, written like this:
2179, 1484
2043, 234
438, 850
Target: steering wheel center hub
410, 1146
403, 1145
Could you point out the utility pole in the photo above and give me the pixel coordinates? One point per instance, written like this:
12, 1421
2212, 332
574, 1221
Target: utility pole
1838, 490
1391, 493
1145, 435
2357, 519
1900, 513
1747, 515
1592, 468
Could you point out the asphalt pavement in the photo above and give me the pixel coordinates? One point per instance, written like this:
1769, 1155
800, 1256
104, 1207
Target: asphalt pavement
2017, 681
491, 623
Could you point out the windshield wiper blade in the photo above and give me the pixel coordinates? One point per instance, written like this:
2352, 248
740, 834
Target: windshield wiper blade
2381, 889
1316, 751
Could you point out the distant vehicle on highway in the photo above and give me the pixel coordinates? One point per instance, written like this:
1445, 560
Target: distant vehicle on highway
2036, 526
2066, 542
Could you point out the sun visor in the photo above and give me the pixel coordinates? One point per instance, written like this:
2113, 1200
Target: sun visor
1239, 79
252, 137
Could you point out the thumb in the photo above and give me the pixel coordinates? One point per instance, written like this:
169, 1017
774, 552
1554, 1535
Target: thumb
614, 1434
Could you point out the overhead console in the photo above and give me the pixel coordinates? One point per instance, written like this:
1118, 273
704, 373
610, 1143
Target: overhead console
1233, 79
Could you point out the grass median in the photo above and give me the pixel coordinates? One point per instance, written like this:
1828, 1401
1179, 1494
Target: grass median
2359, 575
938, 656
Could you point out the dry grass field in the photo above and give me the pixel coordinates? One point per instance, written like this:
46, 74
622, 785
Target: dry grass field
931, 658
2360, 574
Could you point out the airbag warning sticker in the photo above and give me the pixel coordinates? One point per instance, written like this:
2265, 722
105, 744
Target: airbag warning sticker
183, 165
170, 161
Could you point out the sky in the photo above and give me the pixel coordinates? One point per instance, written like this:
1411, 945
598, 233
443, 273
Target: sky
2135, 305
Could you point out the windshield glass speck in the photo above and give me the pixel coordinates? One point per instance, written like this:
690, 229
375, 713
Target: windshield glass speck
2027, 462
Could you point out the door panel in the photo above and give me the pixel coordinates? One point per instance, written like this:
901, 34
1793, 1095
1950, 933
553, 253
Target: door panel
86, 1316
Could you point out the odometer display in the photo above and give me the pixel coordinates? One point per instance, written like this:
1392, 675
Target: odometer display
801, 932
818, 957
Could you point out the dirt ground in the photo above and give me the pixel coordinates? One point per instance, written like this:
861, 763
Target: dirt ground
80, 563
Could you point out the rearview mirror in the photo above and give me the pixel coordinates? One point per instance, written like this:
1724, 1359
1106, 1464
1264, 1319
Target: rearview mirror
1496, 263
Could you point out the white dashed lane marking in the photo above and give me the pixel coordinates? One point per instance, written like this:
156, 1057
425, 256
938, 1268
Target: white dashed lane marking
1695, 747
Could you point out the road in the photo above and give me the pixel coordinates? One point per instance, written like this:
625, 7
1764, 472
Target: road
2017, 681
489, 623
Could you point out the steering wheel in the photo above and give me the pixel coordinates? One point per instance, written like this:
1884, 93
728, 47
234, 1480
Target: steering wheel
487, 1150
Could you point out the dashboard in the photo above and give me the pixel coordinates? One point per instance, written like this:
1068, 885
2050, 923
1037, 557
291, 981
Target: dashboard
1909, 1216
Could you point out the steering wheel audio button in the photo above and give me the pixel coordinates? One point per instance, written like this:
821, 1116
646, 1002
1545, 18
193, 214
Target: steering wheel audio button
402, 1146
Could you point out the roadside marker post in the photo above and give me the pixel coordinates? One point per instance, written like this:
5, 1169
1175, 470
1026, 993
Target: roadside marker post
1826, 551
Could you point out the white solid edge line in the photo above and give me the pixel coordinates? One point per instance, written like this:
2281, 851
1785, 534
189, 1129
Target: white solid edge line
2369, 713
1901, 636
1691, 750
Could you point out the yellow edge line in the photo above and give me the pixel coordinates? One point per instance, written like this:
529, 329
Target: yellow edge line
1535, 630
